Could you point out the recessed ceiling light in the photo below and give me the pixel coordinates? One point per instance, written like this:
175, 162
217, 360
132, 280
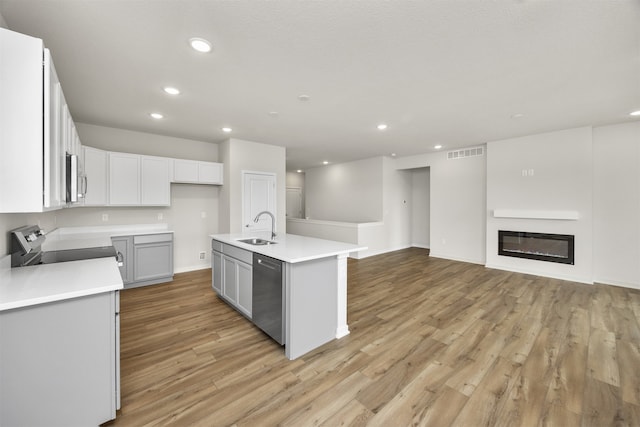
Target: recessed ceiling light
437, 147
273, 113
201, 45
517, 116
393, 154
382, 126
171, 90
156, 116
635, 113
226, 129
325, 162
304, 98
299, 170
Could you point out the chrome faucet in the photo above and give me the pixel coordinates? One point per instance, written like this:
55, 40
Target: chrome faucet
273, 222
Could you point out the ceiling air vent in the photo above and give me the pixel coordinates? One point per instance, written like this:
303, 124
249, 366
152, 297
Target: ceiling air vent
467, 152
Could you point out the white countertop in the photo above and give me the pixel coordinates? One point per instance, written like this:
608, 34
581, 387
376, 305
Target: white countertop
291, 248
96, 236
39, 284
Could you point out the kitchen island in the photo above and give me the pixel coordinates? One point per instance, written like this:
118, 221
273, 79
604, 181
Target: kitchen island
315, 284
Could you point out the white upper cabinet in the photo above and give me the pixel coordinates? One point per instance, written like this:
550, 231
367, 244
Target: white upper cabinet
30, 174
136, 180
155, 185
197, 172
95, 177
124, 179
54, 150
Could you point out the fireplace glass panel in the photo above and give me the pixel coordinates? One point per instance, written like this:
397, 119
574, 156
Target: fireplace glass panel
537, 246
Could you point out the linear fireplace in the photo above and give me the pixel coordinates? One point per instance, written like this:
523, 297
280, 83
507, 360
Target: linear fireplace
537, 246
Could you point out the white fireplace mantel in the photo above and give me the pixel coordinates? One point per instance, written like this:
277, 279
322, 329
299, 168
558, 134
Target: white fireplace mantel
535, 214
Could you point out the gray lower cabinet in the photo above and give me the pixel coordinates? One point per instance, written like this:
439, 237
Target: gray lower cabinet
216, 271
147, 259
124, 255
60, 362
232, 275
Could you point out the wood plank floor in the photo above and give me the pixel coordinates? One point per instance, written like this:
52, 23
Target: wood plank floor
433, 342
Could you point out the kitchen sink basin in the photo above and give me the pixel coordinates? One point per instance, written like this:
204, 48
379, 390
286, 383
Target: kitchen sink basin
257, 242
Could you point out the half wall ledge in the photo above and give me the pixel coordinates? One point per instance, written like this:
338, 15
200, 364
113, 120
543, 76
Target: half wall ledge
533, 214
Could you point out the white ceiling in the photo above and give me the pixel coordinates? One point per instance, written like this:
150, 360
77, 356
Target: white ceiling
437, 72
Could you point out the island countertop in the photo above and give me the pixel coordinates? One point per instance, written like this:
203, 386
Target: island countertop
290, 248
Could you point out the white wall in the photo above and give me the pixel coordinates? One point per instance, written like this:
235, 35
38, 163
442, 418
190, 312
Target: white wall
396, 205
348, 192
184, 216
364, 191
561, 163
616, 204
420, 208
238, 155
457, 204
297, 180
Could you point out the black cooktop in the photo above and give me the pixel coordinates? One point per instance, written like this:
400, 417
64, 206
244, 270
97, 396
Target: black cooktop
51, 257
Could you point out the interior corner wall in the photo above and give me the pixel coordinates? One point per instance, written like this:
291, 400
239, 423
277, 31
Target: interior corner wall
397, 203
240, 155
3, 23
616, 204
227, 189
457, 204
297, 180
346, 192
420, 208
545, 172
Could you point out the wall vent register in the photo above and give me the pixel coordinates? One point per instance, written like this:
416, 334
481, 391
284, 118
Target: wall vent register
467, 152
537, 246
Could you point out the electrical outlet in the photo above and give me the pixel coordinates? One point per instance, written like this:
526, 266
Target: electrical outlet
202, 255
160, 216
105, 217
203, 214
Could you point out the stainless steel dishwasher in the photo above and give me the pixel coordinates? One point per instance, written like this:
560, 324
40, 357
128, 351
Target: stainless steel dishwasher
268, 295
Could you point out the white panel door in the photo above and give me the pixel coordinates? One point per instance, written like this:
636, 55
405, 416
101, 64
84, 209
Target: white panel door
259, 195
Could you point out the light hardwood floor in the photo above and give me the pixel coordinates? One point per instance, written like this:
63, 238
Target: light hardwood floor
433, 342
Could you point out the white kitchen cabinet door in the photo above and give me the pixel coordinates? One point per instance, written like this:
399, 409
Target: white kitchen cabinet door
54, 188
124, 179
96, 177
25, 84
210, 173
185, 171
197, 172
155, 183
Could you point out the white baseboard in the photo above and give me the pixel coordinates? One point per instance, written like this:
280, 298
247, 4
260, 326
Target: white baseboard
453, 258
191, 268
541, 274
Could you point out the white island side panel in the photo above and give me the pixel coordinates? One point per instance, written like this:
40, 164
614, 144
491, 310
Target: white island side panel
311, 305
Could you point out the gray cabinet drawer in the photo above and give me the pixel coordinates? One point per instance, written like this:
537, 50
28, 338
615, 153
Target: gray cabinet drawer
237, 253
216, 246
152, 238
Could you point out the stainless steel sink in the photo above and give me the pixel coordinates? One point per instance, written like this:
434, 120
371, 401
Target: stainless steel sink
257, 242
